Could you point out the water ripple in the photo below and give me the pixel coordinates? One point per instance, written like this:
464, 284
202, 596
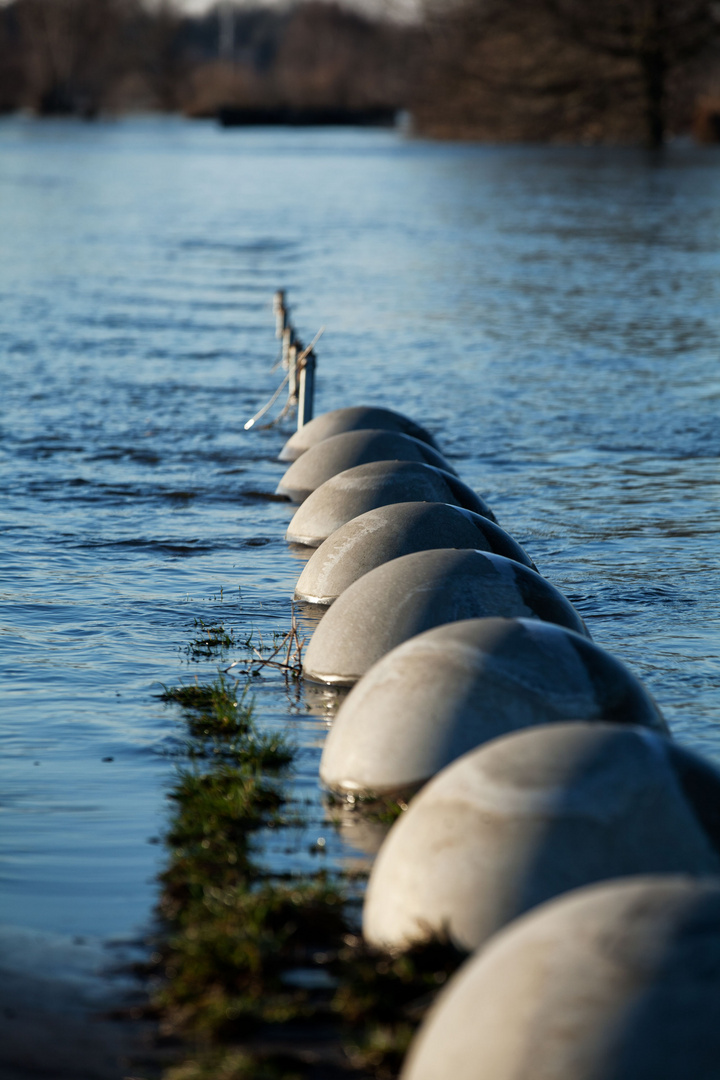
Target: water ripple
551, 314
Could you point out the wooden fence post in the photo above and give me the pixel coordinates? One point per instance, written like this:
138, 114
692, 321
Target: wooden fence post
306, 390
281, 315
292, 373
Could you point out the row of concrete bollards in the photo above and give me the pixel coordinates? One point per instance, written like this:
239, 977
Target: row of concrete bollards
554, 830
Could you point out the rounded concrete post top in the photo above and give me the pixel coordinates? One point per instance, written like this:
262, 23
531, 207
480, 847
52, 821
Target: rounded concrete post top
453, 688
416, 592
537, 769
351, 419
365, 487
386, 533
532, 815
340, 452
618, 980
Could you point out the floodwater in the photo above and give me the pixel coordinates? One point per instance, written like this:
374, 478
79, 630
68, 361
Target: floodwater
551, 314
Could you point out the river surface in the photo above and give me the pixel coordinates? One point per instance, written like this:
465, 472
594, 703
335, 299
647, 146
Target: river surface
551, 315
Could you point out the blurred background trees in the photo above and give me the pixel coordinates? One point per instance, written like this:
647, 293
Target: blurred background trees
313, 55
594, 70
83, 57
549, 70
656, 39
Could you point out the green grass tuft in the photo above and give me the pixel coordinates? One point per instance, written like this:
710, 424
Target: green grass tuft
227, 963
210, 640
213, 709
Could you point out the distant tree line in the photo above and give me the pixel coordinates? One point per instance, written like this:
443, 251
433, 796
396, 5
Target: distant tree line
315, 54
87, 57
542, 70
77, 56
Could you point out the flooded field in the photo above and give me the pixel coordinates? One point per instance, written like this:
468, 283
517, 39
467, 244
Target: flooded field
551, 315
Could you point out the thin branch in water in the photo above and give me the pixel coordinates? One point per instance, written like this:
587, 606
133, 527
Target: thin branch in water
291, 644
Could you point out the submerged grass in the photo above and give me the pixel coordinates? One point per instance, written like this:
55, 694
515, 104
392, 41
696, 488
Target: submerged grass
213, 708
209, 639
231, 958
261, 977
377, 809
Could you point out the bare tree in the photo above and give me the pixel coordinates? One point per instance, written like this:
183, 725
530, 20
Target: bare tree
656, 36
73, 50
330, 55
564, 69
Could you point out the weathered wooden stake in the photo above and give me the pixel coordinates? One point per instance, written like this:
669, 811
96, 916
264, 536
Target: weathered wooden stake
281, 315
292, 372
288, 338
306, 390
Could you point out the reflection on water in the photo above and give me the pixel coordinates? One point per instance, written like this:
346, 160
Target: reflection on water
551, 315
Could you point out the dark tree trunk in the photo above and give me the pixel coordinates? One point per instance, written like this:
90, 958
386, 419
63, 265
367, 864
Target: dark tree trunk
654, 74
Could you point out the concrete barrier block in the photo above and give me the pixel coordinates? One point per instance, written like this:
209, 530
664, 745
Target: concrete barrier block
406, 596
614, 982
453, 688
340, 452
352, 418
388, 532
379, 483
535, 814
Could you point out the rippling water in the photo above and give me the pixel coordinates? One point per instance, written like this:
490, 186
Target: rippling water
552, 315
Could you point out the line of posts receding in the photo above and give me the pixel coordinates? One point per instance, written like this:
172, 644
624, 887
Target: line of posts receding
299, 362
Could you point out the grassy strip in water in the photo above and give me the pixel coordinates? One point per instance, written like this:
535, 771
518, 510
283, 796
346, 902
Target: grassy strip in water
264, 977
376, 809
213, 709
210, 638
